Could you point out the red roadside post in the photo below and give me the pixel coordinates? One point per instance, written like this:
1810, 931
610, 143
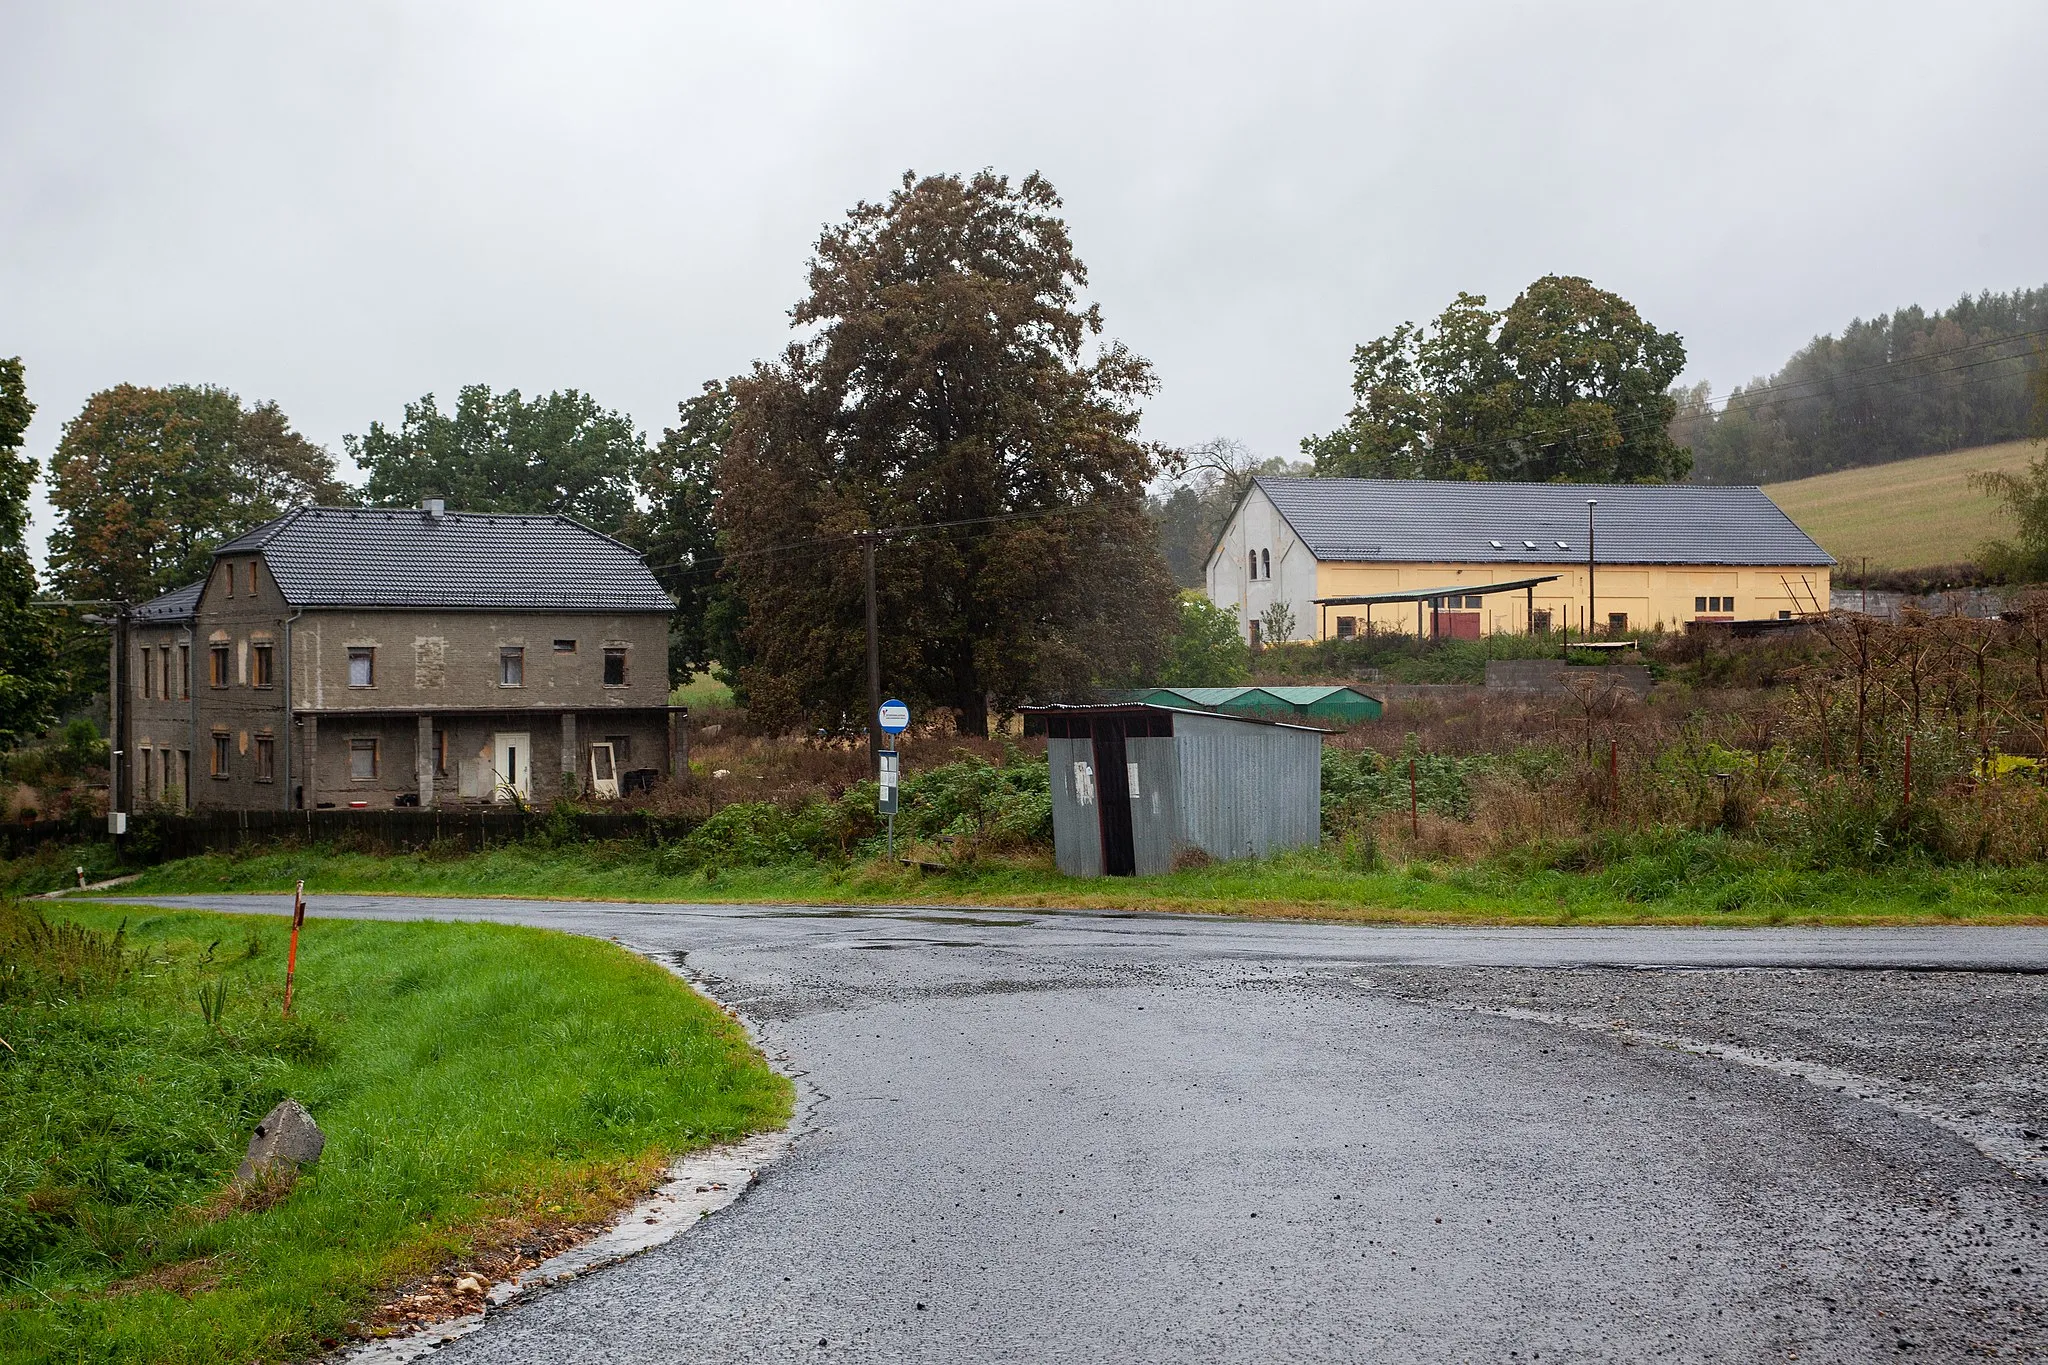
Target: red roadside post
291, 961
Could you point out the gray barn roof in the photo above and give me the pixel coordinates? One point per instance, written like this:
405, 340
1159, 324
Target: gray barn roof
477, 561
174, 606
1410, 521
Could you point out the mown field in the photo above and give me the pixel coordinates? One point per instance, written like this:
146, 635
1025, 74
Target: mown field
1907, 515
479, 1086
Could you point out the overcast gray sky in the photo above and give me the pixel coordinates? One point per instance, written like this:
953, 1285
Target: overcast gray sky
342, 207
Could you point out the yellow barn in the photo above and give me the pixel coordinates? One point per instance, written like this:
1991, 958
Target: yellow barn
1467, 559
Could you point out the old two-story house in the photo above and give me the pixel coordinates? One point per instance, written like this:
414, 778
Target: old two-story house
372, 657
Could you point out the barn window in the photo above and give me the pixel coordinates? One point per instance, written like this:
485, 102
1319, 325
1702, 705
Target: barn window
1347, 627
1699, 604
1539, 620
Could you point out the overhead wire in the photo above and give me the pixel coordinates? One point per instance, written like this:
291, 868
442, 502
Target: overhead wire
714, 562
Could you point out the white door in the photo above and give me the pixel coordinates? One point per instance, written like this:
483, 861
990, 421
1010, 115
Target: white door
604, 772
512, 755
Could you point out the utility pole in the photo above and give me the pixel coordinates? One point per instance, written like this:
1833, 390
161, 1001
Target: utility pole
1592, 614
119, 784
868, 541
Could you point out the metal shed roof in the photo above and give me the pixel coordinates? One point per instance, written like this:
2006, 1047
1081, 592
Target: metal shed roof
1137, 707
405, 557
1417, 521
174, 606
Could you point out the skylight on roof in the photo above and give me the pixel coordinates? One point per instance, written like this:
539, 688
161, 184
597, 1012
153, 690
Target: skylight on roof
1528, 544
1562, 546
1496, 545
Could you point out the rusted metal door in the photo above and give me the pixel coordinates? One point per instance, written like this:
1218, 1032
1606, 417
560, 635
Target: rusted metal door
1459, 625
1113, 799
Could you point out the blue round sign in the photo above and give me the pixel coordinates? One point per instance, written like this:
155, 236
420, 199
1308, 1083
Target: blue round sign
894, 717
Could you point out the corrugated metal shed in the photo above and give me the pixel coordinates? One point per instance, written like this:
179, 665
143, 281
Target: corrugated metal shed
406, 557
1134, 785
1423, 521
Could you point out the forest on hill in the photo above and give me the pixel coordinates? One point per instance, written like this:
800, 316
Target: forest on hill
1887, 388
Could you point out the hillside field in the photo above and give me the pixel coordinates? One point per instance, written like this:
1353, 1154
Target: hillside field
1910, 514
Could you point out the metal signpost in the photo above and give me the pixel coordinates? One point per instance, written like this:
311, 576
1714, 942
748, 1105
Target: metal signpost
291, 961
894, 718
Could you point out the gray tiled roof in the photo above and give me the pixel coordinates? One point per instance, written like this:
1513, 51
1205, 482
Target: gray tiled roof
401, 557
175, 605
1419, 521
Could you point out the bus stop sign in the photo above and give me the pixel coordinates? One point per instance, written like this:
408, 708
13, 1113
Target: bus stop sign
894, 717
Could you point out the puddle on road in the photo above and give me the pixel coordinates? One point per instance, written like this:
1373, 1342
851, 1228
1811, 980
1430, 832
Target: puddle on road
891, 945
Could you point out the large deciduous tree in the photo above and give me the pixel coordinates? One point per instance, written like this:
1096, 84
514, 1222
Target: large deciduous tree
1566, 383
29, 673
146, 481
673, 528
953, 380
503, 453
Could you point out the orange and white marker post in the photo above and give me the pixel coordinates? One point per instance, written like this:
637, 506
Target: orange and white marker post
291, 961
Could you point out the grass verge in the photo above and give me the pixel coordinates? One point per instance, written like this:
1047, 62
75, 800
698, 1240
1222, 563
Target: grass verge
476, 1083
1681, 878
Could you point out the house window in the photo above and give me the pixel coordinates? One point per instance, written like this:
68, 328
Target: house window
512, 666
362, 666
615, 668
163, 671
1255, 633
1469, 603
1265, 563
217, 665
565, 646
184, 670
142, 677
252, 578
260, 675
220, 753
1347, 627
228, 572
266, 758
1699, 604
1539, 620
362, 760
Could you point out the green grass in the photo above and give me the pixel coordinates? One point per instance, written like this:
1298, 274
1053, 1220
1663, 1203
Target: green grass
1909, 514
474, 1082
702, 692
1678, 878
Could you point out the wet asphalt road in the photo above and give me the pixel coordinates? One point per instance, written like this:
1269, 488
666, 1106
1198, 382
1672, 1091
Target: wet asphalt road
1097, 1137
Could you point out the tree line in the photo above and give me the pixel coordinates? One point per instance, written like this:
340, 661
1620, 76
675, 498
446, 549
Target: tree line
952, 395
1887, 388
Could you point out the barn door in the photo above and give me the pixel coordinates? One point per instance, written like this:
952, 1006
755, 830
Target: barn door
1113, 799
